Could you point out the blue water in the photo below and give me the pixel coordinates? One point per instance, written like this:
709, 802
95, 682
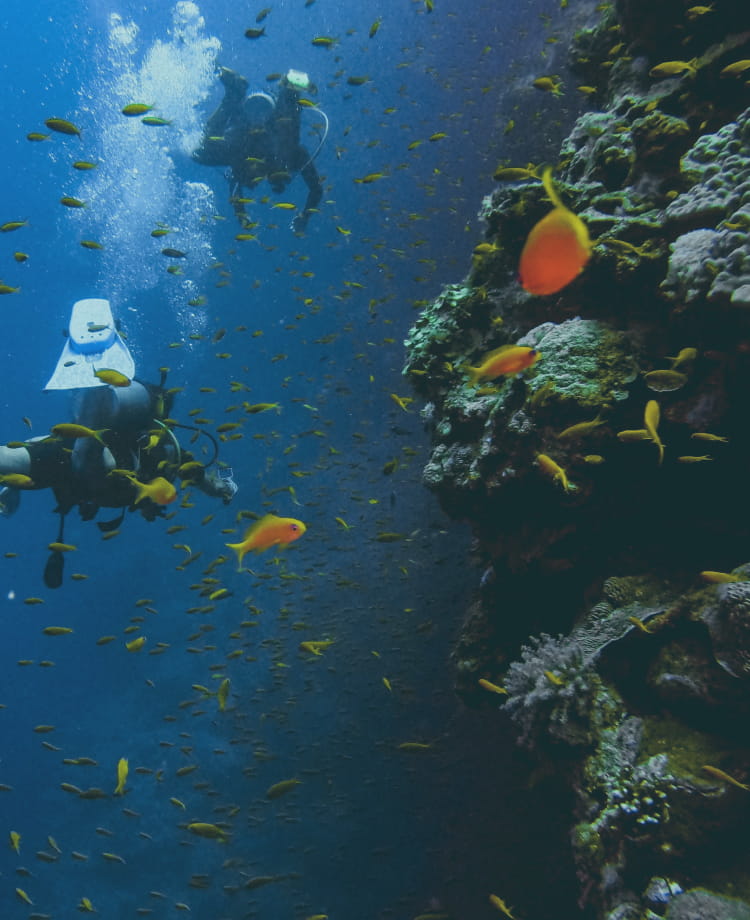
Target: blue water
371, 831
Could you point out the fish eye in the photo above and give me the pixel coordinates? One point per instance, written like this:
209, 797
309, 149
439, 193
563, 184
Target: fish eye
294, 527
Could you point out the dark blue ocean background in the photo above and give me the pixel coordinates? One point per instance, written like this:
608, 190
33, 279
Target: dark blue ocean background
371, 831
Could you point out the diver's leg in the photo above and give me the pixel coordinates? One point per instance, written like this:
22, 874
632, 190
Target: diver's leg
213, 152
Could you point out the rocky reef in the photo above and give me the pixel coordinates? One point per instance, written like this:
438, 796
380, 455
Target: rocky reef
626, 672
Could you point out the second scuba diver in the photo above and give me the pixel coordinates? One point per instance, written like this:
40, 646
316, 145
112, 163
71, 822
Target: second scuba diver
258, 137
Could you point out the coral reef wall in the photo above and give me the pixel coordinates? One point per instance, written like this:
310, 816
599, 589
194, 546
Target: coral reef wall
606, 483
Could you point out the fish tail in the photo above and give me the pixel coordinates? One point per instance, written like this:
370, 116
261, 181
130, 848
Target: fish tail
473, 374
549, 188
239, 551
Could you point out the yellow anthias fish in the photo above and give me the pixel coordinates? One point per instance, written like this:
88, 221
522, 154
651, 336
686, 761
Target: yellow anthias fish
15, 841
651, 423
159, 490
111, 377
122, 775
315, 647
71, 430
209, 831
222, 694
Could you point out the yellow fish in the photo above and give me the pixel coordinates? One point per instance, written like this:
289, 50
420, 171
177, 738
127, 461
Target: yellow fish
122, 775
112, 377
651, 423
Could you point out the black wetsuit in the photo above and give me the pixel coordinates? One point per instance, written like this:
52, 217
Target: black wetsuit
270, 151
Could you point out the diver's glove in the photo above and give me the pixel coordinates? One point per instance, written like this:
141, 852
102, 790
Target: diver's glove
220, 485
299, 223
235, 84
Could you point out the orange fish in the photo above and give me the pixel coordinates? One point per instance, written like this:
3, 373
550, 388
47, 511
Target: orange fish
269, 531
508, 359
159, 490
556, 250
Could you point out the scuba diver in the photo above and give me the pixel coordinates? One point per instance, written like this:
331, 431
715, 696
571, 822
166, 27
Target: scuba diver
258, 137
121, 450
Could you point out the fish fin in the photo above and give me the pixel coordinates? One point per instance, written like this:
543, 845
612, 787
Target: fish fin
549, 188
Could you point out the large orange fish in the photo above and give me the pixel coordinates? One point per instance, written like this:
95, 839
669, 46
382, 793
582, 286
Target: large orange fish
556, 250
506, 360
269, 531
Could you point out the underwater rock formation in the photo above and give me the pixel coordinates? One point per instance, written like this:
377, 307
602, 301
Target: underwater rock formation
609, 467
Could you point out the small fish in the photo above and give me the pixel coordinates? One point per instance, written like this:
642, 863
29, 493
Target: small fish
114, 857
688, 458
574, 432
493, 688
222, 694
651, 423
209, 831
11, 225
633, 434
323, 41
15, 841
91, 244
255, 33
37, 136
725, 777
548, 466
498, 902
70, 430
375, 26
71, 202
136, 108
735, 69
674, 69
695, 12
551, 84
706, 436
357, 81
24, 897
315, 647
402, 401
8, 289
122, 775
84, 165
281, 788
17, 481
112, 378
720, 578
173, 253
684, 356
155, 121
62, 126
514, 173
57, 630
136, 644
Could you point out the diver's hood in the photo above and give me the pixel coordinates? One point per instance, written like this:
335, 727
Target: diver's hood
92, 343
